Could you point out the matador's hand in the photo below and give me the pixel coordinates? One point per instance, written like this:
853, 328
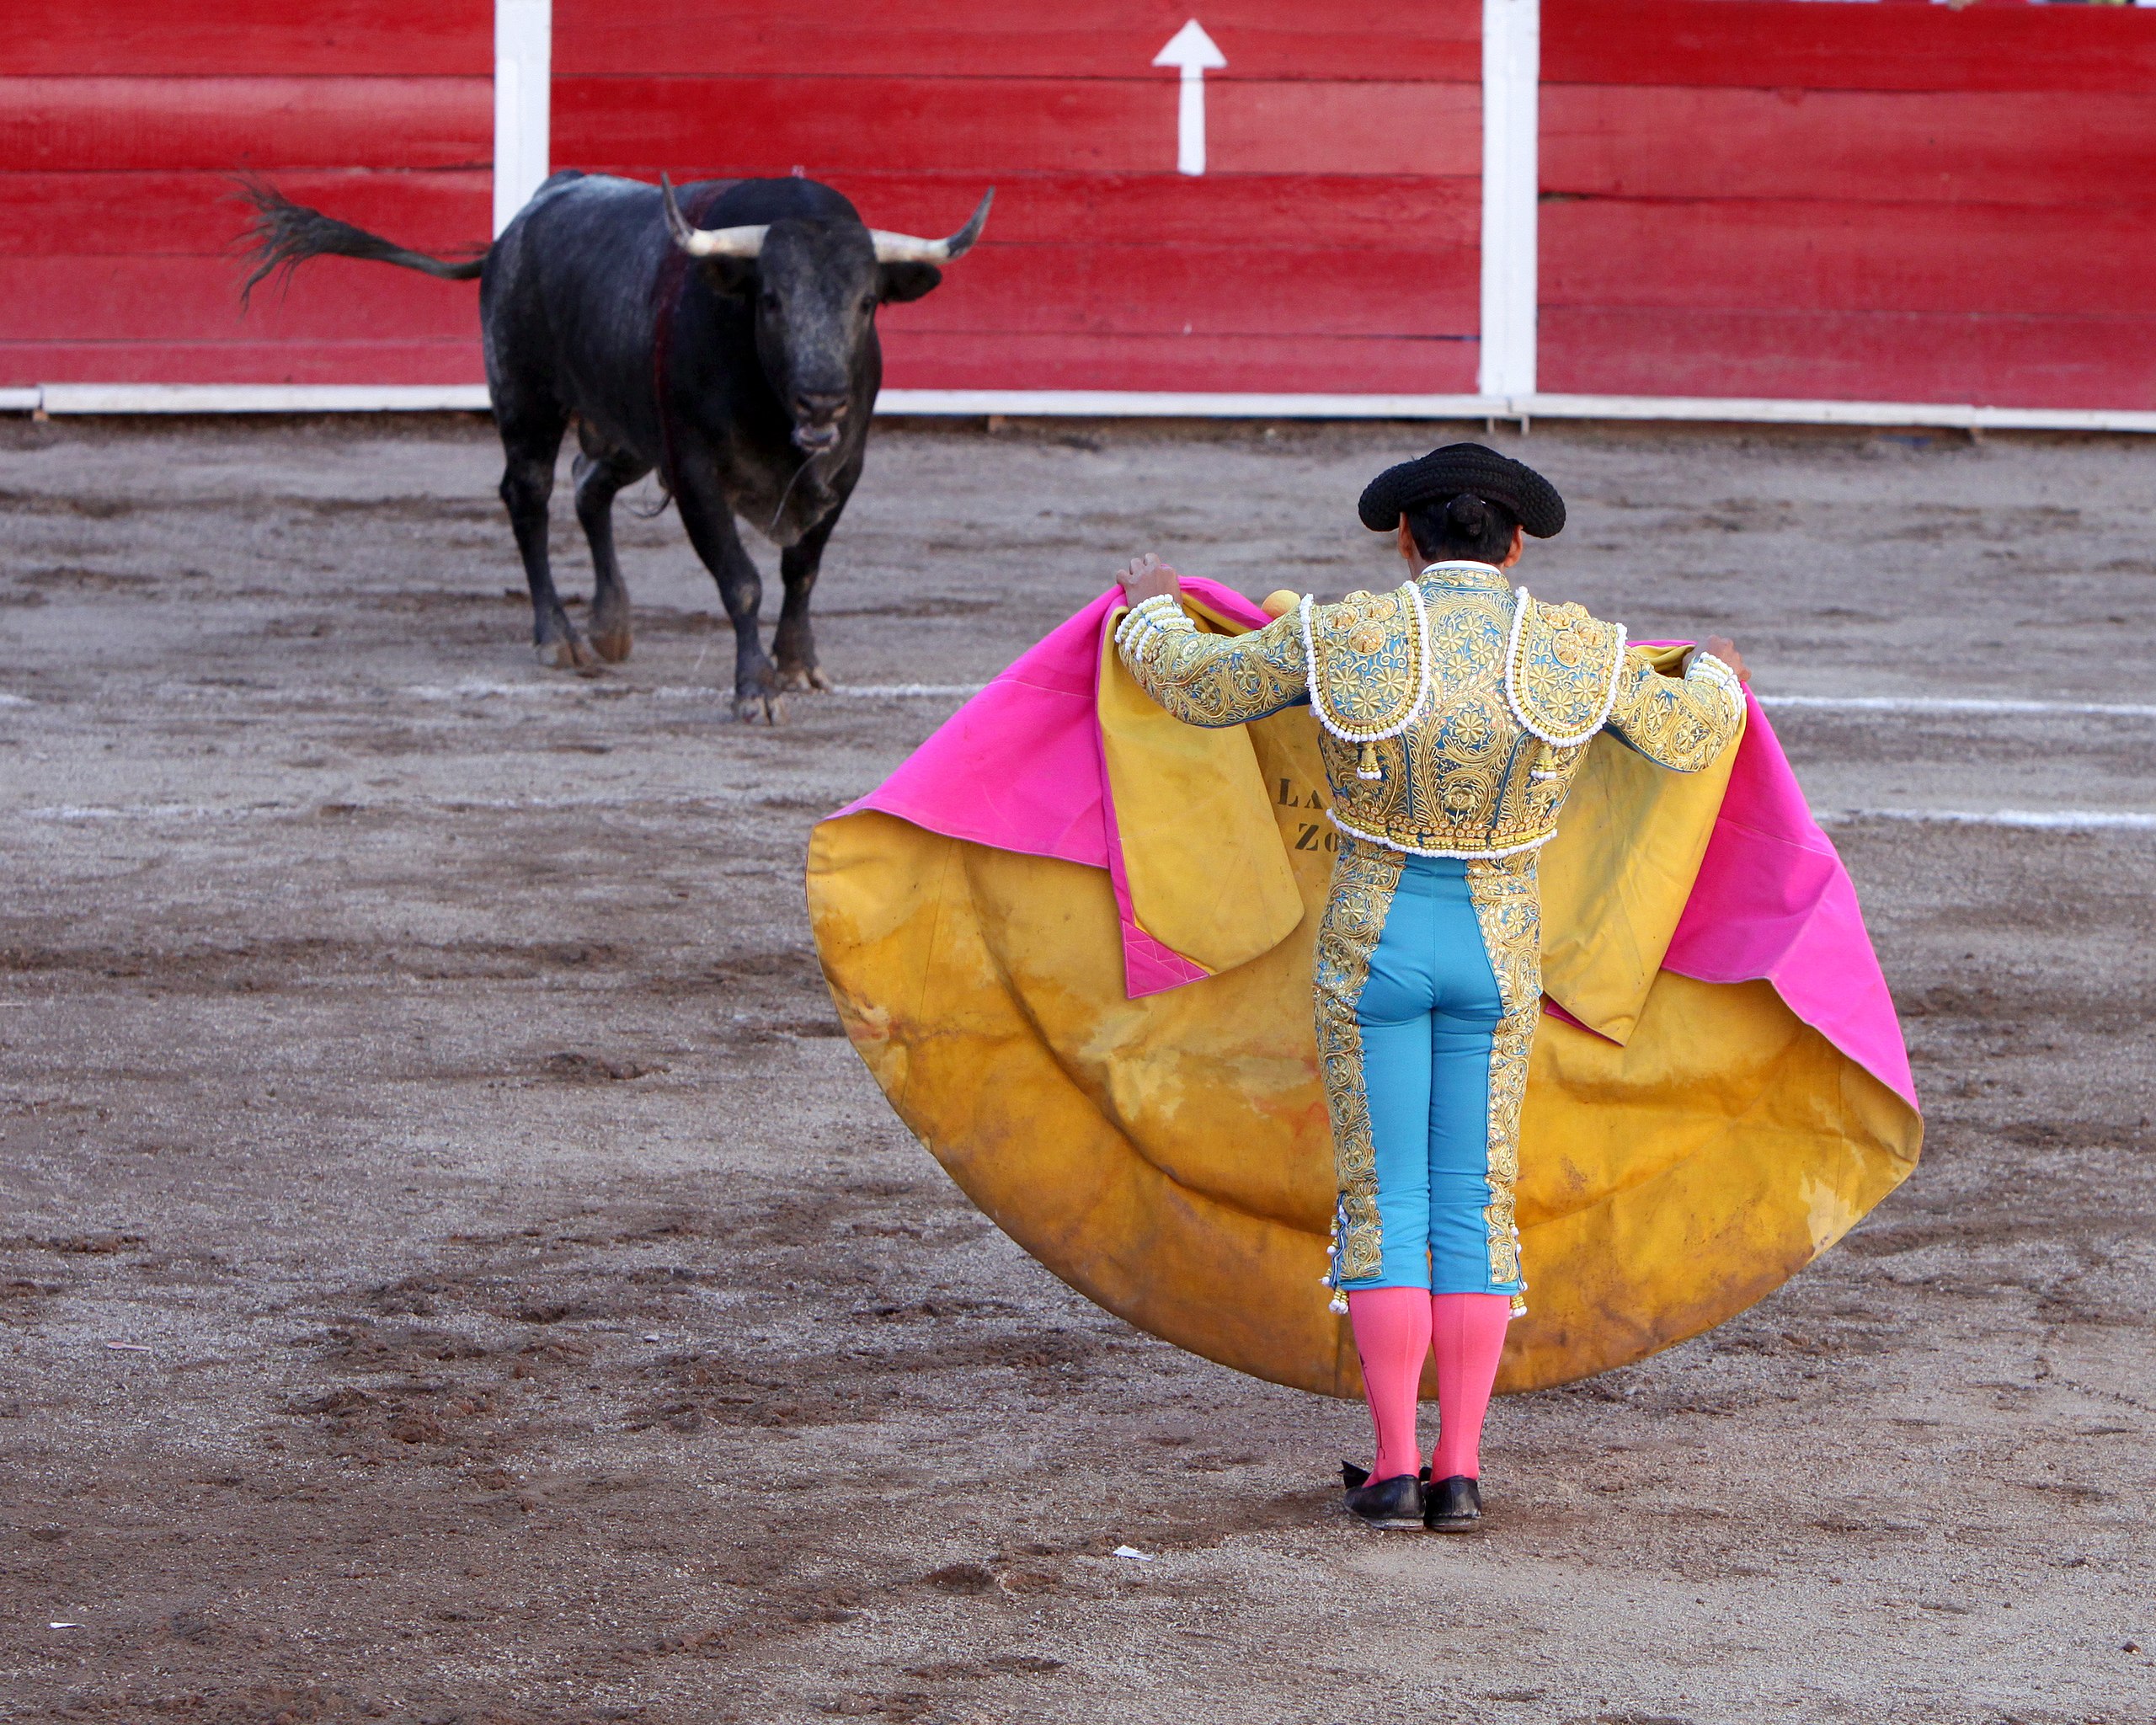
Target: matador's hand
1148, 578
1725, 649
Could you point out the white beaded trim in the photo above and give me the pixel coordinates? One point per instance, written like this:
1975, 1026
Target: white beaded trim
1512, 693
1371, 838
1421, 688
1152, 611
1717, 672
1464, 562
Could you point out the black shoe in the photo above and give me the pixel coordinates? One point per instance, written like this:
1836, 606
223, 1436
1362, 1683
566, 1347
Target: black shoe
1452, 1505
1352, 1476
1391, 1502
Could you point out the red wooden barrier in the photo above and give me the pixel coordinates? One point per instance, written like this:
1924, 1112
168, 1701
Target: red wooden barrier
1883, 203
121, 121
1740, 197
1331, 244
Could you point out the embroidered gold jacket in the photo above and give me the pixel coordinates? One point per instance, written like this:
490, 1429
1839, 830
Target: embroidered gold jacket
1455, 709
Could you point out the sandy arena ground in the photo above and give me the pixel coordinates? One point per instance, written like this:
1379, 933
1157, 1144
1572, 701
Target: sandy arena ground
454, 1270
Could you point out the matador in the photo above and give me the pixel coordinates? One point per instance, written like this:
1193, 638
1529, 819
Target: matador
1454, 711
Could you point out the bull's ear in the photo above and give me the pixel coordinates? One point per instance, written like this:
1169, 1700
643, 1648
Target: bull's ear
734, 277
901, 282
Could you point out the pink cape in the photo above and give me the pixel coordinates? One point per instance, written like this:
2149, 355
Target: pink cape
1019, 767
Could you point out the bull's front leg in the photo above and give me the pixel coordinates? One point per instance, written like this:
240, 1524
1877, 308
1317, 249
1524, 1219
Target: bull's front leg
710, 522
793, 644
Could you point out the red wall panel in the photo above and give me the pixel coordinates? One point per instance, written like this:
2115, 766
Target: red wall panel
1920, 203
1925, 356
148, 215
230, 124
122, 123
1331, 244
1439, 42
258, 38
1753, 197
1798, 44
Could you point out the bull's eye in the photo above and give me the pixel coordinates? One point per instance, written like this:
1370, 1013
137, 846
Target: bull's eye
868, 304
769, 300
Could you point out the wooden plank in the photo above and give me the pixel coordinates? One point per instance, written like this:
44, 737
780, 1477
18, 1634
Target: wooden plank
1298, 362
2011, 148
1802, 256
1798, 44
1004, 126
200, 214
1275, 39
1349, 212
414, 361
445, 210
258, 38
1988, 359
225, 124
1073, 289
72, 299
1224, 290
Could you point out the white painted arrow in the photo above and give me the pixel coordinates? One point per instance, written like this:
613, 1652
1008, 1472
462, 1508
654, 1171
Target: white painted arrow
1191, 50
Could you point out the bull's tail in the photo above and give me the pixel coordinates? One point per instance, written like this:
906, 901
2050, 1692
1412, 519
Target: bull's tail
284, 235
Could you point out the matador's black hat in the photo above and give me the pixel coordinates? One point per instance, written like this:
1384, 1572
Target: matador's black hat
1463, 468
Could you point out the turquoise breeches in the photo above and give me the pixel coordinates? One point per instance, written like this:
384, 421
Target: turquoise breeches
1427, 1012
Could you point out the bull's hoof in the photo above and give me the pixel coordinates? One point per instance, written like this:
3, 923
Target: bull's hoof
803, 676
566, 654
611, 645
768, 706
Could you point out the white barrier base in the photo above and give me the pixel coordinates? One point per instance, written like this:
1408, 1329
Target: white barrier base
1122, 404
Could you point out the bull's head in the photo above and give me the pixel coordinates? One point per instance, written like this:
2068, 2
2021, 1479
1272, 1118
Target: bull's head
816, 286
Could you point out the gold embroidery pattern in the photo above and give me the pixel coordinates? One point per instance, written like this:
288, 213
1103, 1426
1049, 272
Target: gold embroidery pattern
1683, 723
1370, 666
1508, 907
1364, 880
1558, 672
1219, 680
1463, 780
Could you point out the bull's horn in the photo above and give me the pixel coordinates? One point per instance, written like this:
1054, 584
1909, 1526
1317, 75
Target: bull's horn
709, 242
906, 248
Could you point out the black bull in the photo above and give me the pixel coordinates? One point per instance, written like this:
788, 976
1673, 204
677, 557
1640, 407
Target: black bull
733, 349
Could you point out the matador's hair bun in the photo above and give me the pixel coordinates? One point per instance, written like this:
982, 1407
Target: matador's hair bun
1461, 469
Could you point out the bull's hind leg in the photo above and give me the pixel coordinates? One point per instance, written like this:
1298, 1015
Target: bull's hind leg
793, 644
530, 442
599, 473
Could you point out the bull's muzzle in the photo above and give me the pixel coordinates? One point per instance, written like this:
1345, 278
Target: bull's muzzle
818, 419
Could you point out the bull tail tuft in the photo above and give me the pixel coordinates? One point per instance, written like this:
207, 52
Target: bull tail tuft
284, 235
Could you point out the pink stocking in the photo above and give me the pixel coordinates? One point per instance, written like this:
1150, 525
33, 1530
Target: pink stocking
1468, 1333
1392, 1335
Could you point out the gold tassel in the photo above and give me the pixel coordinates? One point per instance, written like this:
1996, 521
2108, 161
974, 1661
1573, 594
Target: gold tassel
1366, 765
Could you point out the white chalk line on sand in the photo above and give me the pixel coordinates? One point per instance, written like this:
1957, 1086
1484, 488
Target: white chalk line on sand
1826, 703
72, 813
601, 689
1955, 704
2035, 820
567, 689
69, 814
1945, 704
676, 692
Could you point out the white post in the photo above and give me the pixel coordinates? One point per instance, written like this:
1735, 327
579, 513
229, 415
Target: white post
524, 64
1511, 76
